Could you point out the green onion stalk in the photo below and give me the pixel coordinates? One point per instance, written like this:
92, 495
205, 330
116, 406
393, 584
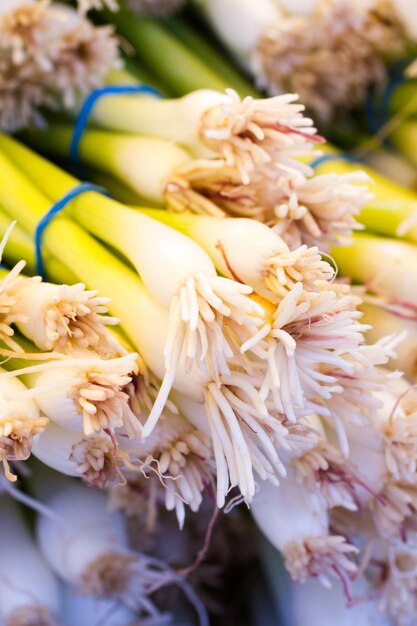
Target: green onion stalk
382, 260
212, 154
154, 44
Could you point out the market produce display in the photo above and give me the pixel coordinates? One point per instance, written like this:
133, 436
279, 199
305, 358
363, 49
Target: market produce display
208, 312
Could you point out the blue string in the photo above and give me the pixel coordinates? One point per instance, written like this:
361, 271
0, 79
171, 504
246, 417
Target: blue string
334, 156
52, 212
88, 105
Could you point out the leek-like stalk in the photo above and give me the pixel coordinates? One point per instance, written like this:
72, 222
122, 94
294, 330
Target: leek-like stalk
304, 540
85, 393
267, 264
385, 266
29, 592
186, 269
393, 208
145, 164
91, 458
404, 139
239, 23
384, 320
20, 245
169, 59
214, 57
63, 317
86, 545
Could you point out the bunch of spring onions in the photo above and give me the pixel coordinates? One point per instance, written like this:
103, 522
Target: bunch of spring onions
274, 390
72, 394
239, 368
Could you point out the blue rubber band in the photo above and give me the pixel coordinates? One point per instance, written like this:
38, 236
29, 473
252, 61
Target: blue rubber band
88, 105
336, 156
52, 212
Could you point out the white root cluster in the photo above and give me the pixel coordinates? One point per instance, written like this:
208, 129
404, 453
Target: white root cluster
49, 55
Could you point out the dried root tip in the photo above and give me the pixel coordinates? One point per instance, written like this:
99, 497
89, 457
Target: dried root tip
96, 461
16, 439
103, 404
32, 616
50, 54
308, 55
252, 132
302, 265
320, 556
67, 317
327, 472
156, 7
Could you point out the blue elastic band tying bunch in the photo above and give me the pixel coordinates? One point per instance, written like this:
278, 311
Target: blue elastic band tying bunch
334, 156
52, 212
88, 105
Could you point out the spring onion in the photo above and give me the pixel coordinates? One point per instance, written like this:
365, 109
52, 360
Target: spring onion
268, 265
86, 545
232, 404
305, 542
384, 265
85, 393
92, 458
240, 398
60, 317
29, 592
390, 319
384, 450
